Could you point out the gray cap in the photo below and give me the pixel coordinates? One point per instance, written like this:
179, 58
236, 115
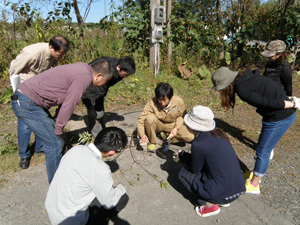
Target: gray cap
222, 77
273, 48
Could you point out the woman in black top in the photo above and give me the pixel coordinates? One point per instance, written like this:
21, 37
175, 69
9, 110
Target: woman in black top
272, 104
277, 68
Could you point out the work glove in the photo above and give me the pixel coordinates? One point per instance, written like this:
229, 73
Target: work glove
293, 98
99, 114
297, 103
63, 139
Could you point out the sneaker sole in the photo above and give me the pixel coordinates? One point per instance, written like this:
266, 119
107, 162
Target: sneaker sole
253, 192
224, 205
207, 214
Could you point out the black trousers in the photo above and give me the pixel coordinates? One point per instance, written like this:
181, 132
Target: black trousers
99, 215
93, 105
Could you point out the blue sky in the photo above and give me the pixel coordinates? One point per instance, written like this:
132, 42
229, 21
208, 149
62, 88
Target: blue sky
97, 11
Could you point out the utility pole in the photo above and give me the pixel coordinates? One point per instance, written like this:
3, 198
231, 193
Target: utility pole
152, 55
169, 30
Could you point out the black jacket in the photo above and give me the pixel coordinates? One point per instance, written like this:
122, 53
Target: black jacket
281, 74
264, 94
96, 92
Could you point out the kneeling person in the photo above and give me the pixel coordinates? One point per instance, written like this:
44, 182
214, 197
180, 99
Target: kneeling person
164, 113
212, 171
82, 191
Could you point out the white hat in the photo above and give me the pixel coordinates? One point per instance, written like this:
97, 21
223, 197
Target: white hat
200, 119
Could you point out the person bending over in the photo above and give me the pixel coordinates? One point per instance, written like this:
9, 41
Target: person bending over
82, 190
31, 61
94, 97
212, 171
61, 85
271, 102
163, 113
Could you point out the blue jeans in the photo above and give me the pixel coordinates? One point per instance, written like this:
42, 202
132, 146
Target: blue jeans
271, 133
23, 140
40, 122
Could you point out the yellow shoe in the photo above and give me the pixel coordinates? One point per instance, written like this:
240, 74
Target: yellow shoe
251, 189
151, 147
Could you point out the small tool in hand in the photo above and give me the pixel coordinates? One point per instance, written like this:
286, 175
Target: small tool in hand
168, 143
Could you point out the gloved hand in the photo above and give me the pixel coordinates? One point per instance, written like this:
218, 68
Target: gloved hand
63, 139
293, 98
99, 114
297, 103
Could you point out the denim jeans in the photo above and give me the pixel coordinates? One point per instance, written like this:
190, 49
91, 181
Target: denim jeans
23, 140
271, 133
40, 122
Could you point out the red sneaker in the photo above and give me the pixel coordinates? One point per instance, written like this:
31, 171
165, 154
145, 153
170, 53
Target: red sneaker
205, 211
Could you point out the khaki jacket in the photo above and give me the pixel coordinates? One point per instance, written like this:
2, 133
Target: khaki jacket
175, 113
31, 61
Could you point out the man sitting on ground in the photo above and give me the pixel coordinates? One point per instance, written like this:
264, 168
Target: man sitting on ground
164, 113
82, 189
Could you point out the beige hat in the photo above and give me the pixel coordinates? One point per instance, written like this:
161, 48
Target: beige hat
273, 48
200, 119
222, 77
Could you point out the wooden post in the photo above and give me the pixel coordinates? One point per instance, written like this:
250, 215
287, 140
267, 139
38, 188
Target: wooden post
169, 30
153, 4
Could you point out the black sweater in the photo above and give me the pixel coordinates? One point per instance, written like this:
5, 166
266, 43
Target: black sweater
96, 92
281, 74
264, 94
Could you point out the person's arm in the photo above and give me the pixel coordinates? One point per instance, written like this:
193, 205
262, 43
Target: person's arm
23, 60
182, 112
286, 79
140, 124
73, 96
107, 195
198, 158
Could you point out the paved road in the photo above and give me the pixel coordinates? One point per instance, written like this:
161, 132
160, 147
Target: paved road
22, 197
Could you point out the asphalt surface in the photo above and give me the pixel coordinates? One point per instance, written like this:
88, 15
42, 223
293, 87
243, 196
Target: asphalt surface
142, 173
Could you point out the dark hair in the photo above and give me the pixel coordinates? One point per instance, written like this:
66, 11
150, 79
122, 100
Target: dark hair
219, 133
127, 64
282, 57
163, 89
228, 95
101, 66
58, 42
111, 139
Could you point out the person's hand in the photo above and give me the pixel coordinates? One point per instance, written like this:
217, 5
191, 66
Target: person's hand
297, 103
63, 139
292, 98
119, 184
144, 138
173, 132
176, 156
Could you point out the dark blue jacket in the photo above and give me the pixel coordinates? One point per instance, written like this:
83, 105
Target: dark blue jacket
216, 165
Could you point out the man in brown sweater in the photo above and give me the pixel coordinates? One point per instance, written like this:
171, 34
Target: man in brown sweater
164, 113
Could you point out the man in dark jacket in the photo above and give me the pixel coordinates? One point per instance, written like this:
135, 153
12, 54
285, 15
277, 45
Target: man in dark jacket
94, 97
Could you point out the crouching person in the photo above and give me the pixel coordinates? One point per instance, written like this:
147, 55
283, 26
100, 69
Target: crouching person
164, 113
212, 171
82, 190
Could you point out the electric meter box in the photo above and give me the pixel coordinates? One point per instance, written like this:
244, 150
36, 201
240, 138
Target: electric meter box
158, 32
159, 14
